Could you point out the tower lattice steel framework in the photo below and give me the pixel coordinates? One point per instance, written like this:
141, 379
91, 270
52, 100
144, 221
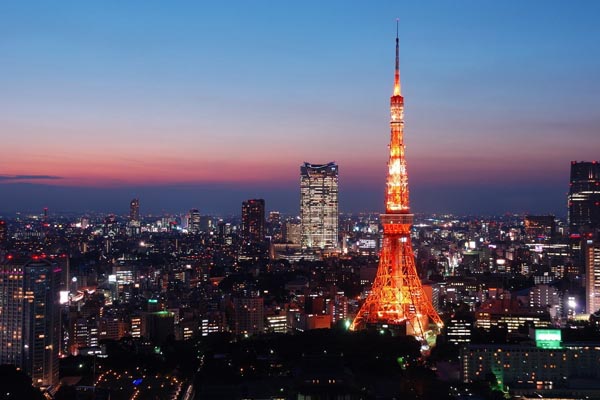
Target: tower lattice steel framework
397, 297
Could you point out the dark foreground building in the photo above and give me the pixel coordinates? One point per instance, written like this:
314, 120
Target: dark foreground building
29, 318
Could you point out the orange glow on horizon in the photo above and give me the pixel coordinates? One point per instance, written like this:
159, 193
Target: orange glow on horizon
96, 172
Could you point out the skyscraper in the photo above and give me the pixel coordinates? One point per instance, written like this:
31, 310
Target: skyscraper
274, 228
319, 205
134, 210
584, 197
592, 284
134, 225
194, 221
397, 299
29, 318
253, 221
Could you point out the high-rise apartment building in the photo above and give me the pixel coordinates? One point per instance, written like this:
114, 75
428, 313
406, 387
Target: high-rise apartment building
29, 318
253, 221
584, 197
319, 205
592, 284
548, 297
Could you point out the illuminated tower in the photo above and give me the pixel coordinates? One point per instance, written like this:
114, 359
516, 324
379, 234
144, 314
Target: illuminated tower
397, 299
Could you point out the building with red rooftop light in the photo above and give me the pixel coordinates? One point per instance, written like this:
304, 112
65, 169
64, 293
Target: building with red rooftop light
584, 197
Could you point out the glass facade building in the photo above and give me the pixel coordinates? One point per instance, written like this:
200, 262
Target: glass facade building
319, 206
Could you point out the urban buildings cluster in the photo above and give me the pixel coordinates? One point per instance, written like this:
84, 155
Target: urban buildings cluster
510, 301
70, 284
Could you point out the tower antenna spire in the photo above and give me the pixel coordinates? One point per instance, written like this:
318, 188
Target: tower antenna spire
397, 91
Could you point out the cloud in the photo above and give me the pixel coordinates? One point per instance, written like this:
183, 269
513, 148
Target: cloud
11, 178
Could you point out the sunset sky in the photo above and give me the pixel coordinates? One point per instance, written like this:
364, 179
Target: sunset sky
205, 104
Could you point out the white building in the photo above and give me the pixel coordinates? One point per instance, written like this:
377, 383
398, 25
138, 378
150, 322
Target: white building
319, 206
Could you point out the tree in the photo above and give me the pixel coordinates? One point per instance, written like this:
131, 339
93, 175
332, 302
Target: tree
17, 385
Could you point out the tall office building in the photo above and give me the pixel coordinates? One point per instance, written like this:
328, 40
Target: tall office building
319, 205
592, 284
584, 197
134, 217
134, 210
29, 318
253, 221
194, 221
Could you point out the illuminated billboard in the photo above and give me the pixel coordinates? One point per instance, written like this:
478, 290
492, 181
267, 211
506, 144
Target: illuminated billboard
548, 338
367, 243
63, 296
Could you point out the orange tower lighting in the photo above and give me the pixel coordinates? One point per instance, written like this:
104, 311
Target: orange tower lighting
397, 298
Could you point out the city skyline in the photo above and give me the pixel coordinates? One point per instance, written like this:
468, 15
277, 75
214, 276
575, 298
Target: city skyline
154, 243
106, 104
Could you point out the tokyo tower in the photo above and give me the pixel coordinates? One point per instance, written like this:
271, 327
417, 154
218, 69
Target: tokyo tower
397, 300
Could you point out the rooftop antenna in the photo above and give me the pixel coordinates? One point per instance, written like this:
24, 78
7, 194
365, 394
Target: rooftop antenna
397, 90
